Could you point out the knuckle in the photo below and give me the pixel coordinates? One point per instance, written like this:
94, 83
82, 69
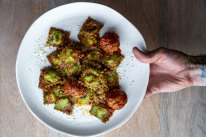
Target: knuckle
161, 49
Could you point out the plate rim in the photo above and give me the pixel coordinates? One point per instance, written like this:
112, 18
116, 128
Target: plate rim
20, 90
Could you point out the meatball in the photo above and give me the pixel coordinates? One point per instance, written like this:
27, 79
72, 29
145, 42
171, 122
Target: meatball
74, 89
116, 99
110, 42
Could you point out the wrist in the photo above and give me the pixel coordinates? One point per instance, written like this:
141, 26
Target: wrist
197, 73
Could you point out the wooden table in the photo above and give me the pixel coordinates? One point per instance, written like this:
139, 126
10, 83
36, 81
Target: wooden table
175, 24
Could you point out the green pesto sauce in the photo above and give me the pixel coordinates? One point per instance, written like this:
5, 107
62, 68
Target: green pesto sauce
86, 99
56, 37
49, 98
68, 52
94, 84
110, 62
56, 90
100, 91
56, 61
65, 53
90, 41
69, 59
113, 77
95, 55
89, 78
52, 76
76, 68
101, 113
53, 97
110, 79
62, 103
94, 110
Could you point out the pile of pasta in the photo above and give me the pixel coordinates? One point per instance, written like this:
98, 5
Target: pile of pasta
84, 73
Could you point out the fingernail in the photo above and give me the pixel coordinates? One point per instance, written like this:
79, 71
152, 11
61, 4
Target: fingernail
135, 48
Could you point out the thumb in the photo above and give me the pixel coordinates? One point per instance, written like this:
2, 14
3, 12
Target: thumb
148, 57
148, 94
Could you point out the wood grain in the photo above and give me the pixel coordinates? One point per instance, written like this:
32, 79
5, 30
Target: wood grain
182, 28
176, 24
15, 19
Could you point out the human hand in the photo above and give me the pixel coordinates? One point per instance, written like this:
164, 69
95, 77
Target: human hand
170, 70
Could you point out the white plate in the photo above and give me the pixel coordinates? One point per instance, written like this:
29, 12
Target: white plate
32, 57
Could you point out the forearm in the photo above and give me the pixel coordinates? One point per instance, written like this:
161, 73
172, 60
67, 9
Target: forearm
197, 70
